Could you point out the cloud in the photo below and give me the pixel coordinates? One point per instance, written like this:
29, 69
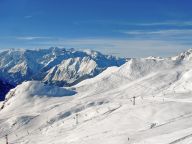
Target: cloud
160, 32
134, 43
173, 23
28, 16
115, 46
31, 38
182, 35
122, 47
167, 23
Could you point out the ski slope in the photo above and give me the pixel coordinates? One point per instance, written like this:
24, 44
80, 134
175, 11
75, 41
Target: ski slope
101, 110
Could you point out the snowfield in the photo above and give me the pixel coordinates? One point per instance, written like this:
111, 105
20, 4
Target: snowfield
144, 101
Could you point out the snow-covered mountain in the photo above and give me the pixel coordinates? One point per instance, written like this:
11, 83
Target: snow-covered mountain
144, 101
54, 65
187, 56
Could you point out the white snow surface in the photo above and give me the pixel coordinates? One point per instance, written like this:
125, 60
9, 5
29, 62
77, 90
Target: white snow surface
100, 110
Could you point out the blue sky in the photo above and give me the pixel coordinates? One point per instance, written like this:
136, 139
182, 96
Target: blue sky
132, 28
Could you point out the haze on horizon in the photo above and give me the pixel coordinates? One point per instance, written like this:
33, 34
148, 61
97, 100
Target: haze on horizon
131, 28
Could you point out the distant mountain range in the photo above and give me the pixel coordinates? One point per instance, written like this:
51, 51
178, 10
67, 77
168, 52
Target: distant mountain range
54, 65
57, 66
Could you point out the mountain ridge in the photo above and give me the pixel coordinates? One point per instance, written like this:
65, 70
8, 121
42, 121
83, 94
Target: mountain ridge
17, 66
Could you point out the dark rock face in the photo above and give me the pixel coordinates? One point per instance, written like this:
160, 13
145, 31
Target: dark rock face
4, 89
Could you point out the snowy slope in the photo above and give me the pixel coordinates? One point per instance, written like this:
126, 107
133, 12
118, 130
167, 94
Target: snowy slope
101, 110
53, 65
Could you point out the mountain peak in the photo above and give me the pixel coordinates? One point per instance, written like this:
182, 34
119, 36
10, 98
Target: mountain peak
186, 55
